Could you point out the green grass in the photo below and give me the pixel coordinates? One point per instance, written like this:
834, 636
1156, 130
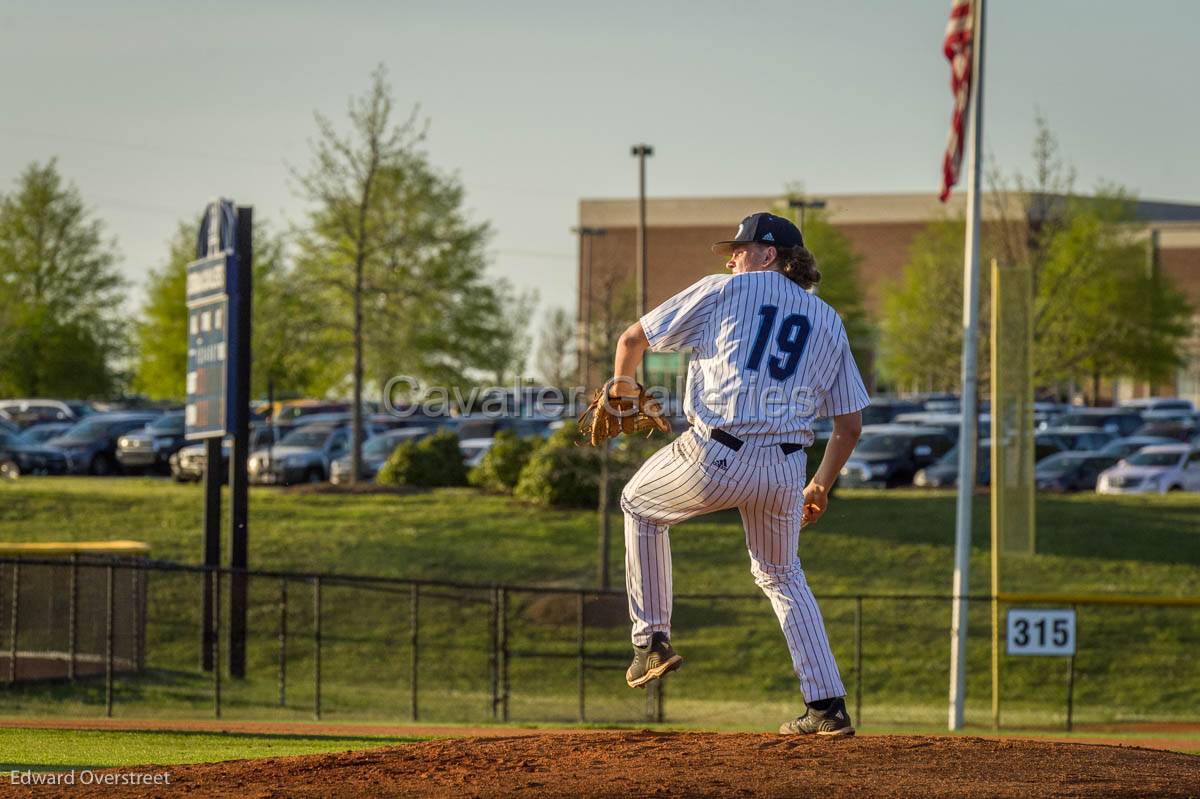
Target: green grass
62, 750
1133, 663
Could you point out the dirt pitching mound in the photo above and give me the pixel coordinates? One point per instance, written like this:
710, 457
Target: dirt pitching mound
693, 764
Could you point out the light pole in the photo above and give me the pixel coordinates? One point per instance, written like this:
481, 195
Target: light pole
640, 151
799, 203
584, 315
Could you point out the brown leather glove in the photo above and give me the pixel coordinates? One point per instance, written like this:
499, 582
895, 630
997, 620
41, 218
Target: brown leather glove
608, 416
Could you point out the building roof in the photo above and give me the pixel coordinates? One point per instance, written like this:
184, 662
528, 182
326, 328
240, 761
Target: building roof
1178, 223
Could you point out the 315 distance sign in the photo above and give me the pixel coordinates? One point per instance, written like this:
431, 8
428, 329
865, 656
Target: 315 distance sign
1041, 632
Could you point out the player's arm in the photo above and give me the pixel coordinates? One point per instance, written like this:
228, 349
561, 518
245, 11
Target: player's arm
631, 346
846, 430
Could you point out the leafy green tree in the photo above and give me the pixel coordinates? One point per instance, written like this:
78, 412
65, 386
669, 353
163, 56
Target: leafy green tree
288, 340
282, 325
160, 335
920, 341
1100, 309
840, 284
61, 331
391, 260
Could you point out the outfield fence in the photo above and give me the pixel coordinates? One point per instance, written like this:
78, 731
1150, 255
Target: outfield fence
124, 636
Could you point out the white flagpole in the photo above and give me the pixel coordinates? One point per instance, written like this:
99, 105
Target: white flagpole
970, 411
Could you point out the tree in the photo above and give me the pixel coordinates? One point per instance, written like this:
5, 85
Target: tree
160, 335
840, 284
282, 328
61, 331
556, 349
1098, 310
920, 342
1101, 308
390, 258
612, 305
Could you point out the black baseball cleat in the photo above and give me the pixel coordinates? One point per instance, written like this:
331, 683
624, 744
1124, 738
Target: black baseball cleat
651, 662
833, 720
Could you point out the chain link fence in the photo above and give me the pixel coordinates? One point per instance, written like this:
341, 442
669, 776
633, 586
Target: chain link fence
124, 636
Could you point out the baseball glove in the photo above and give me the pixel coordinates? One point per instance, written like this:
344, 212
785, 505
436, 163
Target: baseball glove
609, 416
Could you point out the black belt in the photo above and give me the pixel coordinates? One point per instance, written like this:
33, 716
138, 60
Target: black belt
735, 443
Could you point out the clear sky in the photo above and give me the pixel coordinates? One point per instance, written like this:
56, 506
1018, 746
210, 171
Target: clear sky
154, 107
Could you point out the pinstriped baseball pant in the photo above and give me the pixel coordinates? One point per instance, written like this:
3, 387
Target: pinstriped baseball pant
693, 476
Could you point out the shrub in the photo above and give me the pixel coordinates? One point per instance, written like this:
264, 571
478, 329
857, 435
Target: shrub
434, 461
501, 466
561, 473
565, 473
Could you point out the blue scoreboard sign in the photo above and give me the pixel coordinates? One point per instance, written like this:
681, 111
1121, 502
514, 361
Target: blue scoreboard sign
212, 329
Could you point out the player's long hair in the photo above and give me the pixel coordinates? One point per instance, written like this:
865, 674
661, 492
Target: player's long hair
798, 265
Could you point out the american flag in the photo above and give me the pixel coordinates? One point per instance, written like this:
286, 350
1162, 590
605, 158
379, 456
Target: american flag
957, 48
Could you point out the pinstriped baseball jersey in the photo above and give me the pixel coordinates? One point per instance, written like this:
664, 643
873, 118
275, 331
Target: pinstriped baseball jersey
768, 357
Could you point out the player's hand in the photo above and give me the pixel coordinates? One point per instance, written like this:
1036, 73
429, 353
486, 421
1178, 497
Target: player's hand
622, 387
816, 500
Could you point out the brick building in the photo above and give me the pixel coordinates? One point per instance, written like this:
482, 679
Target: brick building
881, 228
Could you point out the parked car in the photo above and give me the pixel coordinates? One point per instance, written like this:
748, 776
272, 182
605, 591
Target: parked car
81, 408
8, 425
1071, 471
1044, 410
376, 450
41, 433
1176, 415
371, 421
948, 423
91, 445
18, 457
473, 450
1124, 447
304, 455
944, 473
1113, 420
188, 464
890, 455
26, 412
1078, 439
884, 410
1157, 470
941, 403
538, 426
1174, 430
1154, 404
290, 411
153, 446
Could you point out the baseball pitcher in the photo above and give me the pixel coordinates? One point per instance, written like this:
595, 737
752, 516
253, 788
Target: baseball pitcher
768, 357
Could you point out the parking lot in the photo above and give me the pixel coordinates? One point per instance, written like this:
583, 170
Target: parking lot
1141, 446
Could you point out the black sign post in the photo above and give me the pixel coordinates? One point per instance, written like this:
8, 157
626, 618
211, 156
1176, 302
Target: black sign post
218, 400
240, 452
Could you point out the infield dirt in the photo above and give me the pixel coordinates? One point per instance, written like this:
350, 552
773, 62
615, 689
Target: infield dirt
649, 763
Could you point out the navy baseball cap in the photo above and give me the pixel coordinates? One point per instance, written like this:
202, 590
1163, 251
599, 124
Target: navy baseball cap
762, 228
